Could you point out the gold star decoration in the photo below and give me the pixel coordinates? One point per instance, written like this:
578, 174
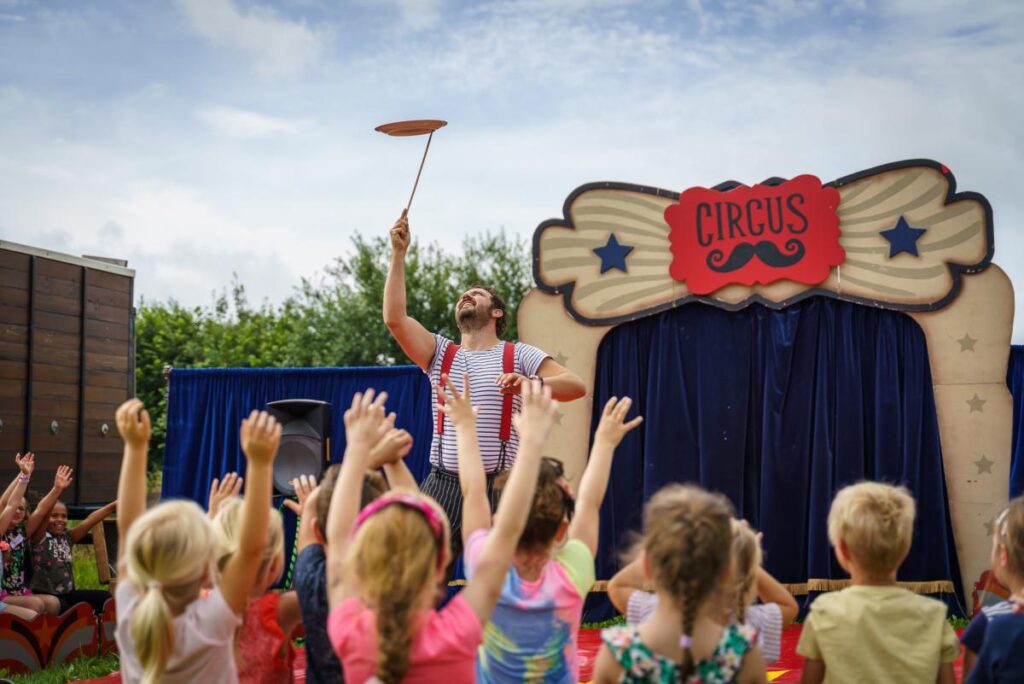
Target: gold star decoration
561, 359
558, 417
967, 342
984, 465
989, 526
976, 403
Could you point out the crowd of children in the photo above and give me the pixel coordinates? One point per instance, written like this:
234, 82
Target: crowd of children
195, 602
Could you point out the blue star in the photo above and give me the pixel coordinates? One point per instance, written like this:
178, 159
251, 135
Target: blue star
613, 255
903, 238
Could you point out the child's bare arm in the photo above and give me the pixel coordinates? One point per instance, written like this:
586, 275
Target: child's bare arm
260, 436
606, 669
814, 672
970, 660
308, 522
23, 462
35, 526
752, 671
533, 424
770, 591
476, 508
289, 615
16, 491
83, 528
364, 426
389, 454
626, 581
134, 425
594, 484
946, 675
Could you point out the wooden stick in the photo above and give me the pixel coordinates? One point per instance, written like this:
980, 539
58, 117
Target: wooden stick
422, 161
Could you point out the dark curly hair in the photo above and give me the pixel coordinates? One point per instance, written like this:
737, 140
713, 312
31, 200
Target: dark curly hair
497, 304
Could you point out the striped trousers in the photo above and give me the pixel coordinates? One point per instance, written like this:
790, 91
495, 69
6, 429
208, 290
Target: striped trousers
443, 485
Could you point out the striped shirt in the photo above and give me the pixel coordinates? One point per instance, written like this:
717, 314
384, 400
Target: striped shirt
766, 618
484, 367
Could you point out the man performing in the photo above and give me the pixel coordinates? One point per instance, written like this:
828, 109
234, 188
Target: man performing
496, 370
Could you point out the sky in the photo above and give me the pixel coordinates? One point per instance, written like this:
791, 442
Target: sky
203, 138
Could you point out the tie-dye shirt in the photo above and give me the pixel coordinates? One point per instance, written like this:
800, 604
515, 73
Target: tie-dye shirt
533, 631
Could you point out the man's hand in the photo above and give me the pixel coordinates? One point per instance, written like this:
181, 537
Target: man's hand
457, 406
304, 485
133, 423
613, 427
261, 435
511, 383
365, 424
26, 463
538, 412
62, 479
222, 490
400, 237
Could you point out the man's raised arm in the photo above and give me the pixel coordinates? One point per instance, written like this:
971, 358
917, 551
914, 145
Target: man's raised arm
416, 341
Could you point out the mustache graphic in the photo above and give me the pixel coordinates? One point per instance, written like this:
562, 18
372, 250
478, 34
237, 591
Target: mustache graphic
766, 251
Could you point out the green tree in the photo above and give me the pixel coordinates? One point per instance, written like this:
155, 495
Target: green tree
333, 319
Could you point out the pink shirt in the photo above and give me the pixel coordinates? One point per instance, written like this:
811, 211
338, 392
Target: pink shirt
443, 649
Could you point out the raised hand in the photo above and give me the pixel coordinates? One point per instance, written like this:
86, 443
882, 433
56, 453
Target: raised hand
62, 479
365, 423
260, 437
222, 490
538, 412
612, 427
400, 237
304, 485
133, 423
392, 448
26, 463
457, 406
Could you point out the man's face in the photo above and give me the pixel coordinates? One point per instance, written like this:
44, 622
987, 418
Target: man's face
473, 310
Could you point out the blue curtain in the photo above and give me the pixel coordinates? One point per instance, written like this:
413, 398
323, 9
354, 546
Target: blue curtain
777, 410
1015, 381
205, 408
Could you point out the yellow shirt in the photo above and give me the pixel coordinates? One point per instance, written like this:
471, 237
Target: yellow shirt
878, 634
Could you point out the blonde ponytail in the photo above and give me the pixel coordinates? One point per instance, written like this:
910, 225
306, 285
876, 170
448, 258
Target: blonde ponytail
169, 554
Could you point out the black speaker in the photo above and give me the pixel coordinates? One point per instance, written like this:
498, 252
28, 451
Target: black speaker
305, 440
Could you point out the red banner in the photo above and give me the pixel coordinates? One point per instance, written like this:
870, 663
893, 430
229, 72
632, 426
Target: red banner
755, 234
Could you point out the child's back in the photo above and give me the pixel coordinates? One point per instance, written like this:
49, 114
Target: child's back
1002, 656
878, 634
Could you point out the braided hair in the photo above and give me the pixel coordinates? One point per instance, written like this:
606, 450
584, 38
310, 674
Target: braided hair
688, 542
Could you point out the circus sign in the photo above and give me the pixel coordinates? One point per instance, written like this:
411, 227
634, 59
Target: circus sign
756, 234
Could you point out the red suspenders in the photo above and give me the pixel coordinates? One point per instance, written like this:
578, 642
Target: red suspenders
508, 358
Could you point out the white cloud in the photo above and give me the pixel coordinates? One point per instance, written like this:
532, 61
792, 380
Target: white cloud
278, 47
240, 123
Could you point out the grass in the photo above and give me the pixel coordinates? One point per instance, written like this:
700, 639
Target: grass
86, 667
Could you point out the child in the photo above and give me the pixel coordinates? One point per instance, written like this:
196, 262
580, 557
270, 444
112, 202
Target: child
996, 634
384, 563
53, 573
875, 630
532, 635
15, 590
687, 549
777, 609
8, 512
167, 556
264, 650
310, 575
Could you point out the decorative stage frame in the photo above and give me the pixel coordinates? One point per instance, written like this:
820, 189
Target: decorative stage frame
897, 236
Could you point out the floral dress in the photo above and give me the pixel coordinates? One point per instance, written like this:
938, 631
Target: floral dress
641, 664
13, 583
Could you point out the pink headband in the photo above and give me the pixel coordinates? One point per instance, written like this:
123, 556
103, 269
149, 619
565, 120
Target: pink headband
411, 502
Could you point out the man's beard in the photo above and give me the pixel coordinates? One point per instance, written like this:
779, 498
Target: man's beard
471, 319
